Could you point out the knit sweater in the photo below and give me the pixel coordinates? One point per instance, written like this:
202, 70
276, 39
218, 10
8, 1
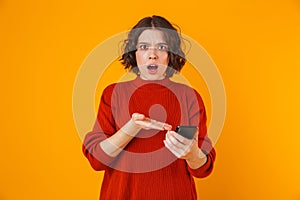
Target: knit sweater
146, 169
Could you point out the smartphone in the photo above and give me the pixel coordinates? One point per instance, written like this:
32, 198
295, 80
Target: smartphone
187, 131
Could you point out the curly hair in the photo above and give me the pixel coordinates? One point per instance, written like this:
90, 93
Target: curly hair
173, 39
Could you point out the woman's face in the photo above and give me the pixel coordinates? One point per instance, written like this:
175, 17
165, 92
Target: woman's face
152, 55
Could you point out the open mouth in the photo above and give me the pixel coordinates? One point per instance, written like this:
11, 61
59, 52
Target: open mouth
152, 67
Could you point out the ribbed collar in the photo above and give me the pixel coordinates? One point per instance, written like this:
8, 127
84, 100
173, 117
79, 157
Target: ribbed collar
149, 84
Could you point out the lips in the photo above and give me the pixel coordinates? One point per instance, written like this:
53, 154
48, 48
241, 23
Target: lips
152, 69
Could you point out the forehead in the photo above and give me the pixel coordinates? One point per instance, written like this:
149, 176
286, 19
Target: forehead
152, 36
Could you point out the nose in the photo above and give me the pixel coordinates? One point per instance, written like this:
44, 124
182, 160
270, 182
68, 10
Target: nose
152, 55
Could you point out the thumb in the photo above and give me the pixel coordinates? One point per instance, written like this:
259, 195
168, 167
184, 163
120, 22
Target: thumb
137, 116
196, 136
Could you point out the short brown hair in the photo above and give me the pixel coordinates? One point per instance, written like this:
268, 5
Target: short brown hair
173, 39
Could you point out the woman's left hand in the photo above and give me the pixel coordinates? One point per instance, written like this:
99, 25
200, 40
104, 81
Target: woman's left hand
182, 147
186, 149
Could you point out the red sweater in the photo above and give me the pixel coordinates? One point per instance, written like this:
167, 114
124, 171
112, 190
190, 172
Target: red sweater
145, 169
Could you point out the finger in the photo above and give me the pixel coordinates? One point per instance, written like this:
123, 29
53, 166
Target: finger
170, 138
181, 147
180, 138
160, 125
196, 136
167, 127
171, 148
153, 124
180, 153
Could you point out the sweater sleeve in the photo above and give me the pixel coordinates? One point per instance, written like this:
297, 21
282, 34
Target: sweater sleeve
198, 116
104, 127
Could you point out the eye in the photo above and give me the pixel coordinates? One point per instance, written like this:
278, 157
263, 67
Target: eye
163, 47
143, 47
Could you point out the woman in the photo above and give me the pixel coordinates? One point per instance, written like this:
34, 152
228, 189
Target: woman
133, 138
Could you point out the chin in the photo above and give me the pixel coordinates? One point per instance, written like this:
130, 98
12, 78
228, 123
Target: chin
152, 77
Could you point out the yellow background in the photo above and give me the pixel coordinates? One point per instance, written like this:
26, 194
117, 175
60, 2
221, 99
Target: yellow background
255, 44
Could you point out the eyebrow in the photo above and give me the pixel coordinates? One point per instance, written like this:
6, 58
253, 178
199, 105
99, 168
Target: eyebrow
155, 44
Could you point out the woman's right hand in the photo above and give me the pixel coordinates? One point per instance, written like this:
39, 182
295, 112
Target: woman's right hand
118, 141
146, 123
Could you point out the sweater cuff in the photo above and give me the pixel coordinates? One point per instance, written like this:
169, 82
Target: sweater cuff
103, 157
98, 159
204, 170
